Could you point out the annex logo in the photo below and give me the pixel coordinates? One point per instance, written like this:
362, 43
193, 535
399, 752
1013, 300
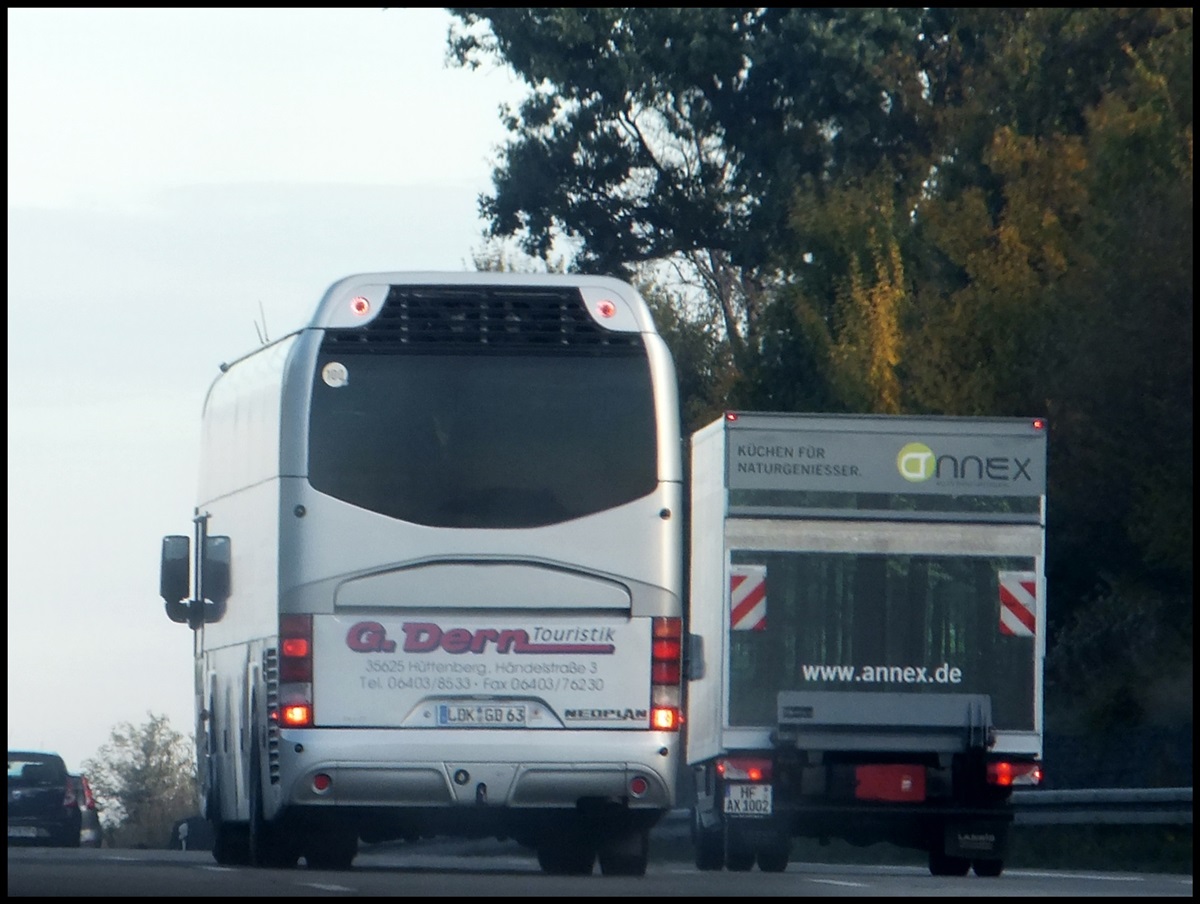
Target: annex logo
917, 463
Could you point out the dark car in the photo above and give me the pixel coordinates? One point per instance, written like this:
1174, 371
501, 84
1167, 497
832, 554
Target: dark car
43, 807
89, 813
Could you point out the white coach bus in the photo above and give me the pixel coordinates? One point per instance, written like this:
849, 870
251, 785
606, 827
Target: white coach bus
435, 575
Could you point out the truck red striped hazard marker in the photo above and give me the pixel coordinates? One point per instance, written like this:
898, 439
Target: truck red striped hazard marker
748, 598
1018, 603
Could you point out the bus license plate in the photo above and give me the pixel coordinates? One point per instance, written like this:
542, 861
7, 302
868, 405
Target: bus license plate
747, 800
474, 715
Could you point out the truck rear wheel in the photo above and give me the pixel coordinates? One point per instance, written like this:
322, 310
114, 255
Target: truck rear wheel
988, 868
942, 864
709, 843
773, 855
739, 854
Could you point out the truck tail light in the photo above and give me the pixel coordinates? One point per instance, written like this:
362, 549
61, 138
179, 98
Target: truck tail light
1006, 774
295, 671
666, 673
744, 769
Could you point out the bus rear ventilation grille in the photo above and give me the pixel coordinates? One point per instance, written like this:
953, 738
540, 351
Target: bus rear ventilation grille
482, 320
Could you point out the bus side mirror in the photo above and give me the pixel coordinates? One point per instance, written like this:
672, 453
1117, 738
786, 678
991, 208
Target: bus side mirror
173, 580
217, 558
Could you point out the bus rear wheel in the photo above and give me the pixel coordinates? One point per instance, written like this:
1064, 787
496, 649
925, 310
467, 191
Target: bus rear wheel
331, 849
231, 843
565, 850
270, 843
625, 853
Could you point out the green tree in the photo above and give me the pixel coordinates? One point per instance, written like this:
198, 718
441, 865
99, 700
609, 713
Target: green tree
939, 210
1055, 256
677, 135
146, 777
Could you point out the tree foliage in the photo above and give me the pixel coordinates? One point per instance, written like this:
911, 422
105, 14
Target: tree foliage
146, 777
958, 211
656, 134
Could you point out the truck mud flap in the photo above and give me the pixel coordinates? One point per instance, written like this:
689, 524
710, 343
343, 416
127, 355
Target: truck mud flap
976, 838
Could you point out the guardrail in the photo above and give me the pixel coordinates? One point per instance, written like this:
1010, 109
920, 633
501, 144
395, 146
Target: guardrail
1104, 806
1084, 806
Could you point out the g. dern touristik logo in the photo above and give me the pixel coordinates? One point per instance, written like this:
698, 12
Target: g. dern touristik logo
917, 463
426, 637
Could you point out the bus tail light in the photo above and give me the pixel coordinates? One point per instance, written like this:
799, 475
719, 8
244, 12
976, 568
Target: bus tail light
666, 672
297, 715
295, 671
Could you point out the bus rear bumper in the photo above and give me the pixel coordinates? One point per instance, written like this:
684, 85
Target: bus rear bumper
492, 768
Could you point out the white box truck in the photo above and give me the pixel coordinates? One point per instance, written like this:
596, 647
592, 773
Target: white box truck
866, 633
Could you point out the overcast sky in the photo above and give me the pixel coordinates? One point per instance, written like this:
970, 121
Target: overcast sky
172, 173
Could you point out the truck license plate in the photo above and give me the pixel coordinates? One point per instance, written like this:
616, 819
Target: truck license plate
747, 800
474, 715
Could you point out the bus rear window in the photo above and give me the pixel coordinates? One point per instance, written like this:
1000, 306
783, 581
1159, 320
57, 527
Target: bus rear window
483, 441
